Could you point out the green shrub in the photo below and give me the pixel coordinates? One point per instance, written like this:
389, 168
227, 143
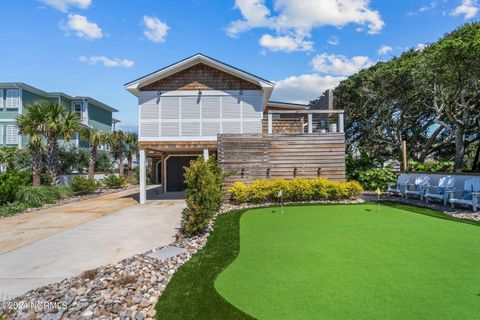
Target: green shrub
431, 166
104, 162
81, 185
114, 181
38, 196
10, 182
12, 208
261, 191
204, 194
376, 178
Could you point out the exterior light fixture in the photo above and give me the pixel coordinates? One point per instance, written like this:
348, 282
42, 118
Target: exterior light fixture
199, 92
242, 173
319, 170
295, 172
159, 93
268, 173
241, 92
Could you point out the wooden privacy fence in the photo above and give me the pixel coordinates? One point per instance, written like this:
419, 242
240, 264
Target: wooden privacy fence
255, 156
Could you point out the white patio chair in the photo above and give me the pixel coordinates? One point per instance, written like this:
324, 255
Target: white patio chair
418, 187
401, 186
439, 192
468, 196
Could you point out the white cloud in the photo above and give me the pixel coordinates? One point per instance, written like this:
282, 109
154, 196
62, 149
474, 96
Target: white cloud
285, 43
421, 47
339, 64
384, 49
432, 5
82, 27
303, 88
107, 62
155, 30
467, 8
255, 14
64, 5
334, 41
300, 17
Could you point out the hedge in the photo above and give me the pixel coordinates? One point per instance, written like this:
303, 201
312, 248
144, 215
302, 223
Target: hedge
261, 191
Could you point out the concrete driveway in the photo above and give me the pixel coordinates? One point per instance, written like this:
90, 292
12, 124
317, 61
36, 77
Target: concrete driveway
104, 240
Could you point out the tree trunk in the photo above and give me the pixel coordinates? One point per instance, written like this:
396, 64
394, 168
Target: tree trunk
91, 163
476, 160
459, 147
36, 167
130, 169
120, 166
52, 161
428, 144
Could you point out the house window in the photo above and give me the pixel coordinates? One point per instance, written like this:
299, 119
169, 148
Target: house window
1, 135
1, 99
77, 108
12, 134
13, 101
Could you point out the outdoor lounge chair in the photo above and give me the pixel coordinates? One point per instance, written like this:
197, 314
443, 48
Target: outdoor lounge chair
439, 192
469, 194
402, 182
418, 186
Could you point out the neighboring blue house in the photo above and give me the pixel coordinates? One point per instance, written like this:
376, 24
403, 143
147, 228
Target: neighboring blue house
15, 95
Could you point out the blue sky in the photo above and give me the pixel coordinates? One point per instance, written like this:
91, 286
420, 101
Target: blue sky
93, 47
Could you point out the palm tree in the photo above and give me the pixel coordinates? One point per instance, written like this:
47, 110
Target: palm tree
53, 121
35, 145
95, 138
116, 140
36, 148
131, 149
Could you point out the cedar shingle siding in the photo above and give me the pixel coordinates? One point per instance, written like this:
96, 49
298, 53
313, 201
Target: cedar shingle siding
200, 77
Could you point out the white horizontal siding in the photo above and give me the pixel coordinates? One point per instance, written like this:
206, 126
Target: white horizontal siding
184, 117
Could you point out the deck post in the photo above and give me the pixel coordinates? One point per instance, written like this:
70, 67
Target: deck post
270, 124
310, 123
143, 171
341, 123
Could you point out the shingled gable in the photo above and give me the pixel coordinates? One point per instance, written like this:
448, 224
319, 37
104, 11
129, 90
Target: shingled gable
199, 72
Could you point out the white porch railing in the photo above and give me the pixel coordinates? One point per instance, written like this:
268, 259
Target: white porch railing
306, 121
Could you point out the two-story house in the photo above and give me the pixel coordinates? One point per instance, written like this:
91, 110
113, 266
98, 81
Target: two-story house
202, 106
15, 95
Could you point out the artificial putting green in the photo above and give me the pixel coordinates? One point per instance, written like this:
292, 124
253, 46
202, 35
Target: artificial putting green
351, 262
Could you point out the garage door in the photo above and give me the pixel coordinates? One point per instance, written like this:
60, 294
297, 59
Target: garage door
175, 171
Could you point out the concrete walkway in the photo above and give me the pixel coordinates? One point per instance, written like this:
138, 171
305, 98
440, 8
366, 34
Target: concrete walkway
107, 239
25, 228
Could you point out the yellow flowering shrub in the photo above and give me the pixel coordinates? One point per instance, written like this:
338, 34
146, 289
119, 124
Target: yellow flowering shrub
266, 190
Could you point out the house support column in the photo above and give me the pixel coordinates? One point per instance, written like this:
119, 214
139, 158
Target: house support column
341, 123
143, 176
205, 154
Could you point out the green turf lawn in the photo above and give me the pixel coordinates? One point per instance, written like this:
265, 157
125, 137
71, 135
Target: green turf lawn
348, 262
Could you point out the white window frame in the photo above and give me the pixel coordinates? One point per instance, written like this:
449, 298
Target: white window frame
2, 104
9, 100
1, 135
15, 137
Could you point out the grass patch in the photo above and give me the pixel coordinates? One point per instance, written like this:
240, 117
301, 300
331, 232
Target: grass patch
331, 262
353, 262
191, 293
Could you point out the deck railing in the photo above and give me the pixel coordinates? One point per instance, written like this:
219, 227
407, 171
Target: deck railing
305, 121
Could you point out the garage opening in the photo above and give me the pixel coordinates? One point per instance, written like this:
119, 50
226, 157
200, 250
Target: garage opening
175, 171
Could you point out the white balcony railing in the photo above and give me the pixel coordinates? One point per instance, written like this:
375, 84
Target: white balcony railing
305, 121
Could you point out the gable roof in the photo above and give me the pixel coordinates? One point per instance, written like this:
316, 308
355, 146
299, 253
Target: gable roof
133, 86
55, 94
